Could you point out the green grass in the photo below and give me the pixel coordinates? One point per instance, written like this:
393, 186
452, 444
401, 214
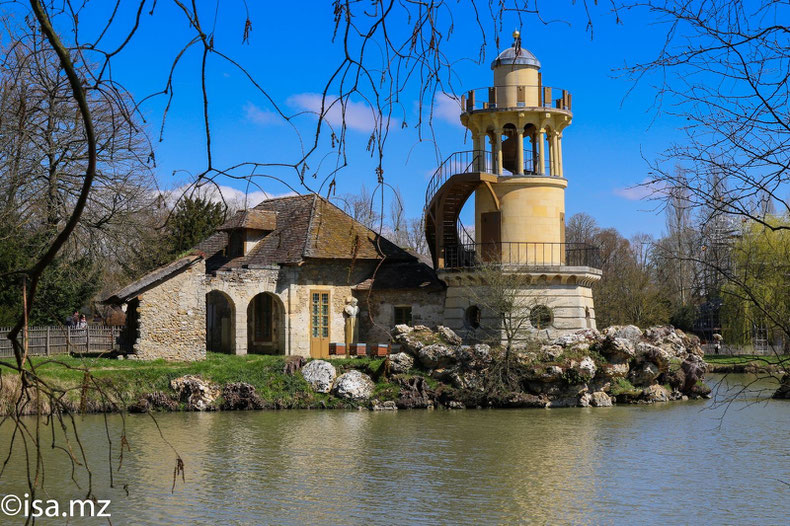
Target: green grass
622, 386
132, 378
745, 358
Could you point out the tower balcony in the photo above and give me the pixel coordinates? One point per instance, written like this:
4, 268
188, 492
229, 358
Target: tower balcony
517, 97
533, 257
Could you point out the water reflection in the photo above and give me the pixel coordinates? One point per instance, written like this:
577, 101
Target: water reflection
657, 464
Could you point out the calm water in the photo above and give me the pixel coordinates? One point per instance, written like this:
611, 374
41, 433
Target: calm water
662, 464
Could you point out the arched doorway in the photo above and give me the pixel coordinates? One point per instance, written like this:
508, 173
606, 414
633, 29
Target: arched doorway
220, 328
265, 325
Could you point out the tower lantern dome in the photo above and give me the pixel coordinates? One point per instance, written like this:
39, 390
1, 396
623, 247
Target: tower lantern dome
516, 55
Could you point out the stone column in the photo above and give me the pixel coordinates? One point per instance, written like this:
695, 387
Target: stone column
496, 142
555, 151
479, 146
519, 152
560, 169
541, 152
240, 326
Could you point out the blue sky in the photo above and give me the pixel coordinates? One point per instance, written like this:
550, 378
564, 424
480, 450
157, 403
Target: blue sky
291, 54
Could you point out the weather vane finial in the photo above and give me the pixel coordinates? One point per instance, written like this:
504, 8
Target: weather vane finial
517, 41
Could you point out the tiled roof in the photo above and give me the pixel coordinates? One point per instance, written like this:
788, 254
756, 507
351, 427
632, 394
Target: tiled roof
403, 275
252, 219
308, 226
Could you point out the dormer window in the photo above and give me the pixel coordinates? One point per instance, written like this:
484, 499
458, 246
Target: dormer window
235, 243
246, 229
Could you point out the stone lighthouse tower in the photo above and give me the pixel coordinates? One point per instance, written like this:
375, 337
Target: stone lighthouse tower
514, 172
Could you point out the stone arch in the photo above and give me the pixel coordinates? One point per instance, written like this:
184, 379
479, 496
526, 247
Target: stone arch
220, 322
266, 324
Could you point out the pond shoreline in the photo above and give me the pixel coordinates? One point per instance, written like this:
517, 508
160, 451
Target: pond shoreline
433, 370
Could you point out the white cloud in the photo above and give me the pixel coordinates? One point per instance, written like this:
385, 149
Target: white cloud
260, 116
447, 109
644, 190
233, 197
359, 116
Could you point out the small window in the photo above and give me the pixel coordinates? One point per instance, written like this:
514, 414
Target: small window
540, 317
472, 316
235, 244
403, 315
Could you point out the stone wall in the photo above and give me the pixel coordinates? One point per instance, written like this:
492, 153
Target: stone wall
571, 305
172, 318
427, 309
173, 314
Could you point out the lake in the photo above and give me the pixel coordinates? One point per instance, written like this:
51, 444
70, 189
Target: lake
668, 463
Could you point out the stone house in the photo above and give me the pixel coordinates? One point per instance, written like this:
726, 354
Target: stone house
275, 279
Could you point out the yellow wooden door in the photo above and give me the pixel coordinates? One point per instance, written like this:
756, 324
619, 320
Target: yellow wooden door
319, 323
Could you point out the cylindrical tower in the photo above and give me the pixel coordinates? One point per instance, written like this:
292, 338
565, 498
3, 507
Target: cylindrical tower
523, 212
515, 172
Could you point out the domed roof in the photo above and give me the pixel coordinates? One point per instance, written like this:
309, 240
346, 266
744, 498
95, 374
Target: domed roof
513, 55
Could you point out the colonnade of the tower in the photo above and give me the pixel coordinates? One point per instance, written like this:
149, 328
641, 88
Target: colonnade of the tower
541, 148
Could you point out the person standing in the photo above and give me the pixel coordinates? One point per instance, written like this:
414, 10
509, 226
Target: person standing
83, 322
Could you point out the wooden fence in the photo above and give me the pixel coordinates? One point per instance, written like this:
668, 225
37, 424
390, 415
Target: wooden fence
46, 341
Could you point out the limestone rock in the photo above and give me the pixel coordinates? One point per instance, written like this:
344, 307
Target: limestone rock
401, 329
412, 339
153, 401
584, 400
655, 393
631, 333
400, 363
551, 353
617, 349
482, 353
653, 354
525, 400
586, 368
414, 393
448, 335
615, 370
353, 385
389, 405
293, 364
600, 399
240, 395
644, 374
436, 356
783, 393
197, 393
320, 375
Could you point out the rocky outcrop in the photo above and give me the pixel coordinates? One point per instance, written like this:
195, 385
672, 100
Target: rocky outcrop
600, 399
353, 385
293, 364
655, 393
320, 375
198, 394
577, 369
783, 393
378, 405
415, 393
154, 401
437, 356
400, 363
240, 396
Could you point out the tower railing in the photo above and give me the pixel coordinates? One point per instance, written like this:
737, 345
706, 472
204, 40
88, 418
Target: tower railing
523, 254
458, 163
517, 96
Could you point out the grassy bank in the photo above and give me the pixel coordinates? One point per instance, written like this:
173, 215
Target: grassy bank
747, 363
129, 380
